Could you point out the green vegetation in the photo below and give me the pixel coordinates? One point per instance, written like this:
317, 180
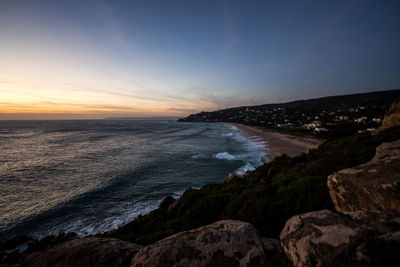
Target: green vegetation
266, 198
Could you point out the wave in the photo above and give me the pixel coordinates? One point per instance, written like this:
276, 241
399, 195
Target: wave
246, 168
83, 227
255, 156
257, 151
225, 155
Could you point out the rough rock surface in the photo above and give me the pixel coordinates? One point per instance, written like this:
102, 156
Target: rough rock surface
374, 185
233, 176
224, 243
324, 238
91, 251
392, 117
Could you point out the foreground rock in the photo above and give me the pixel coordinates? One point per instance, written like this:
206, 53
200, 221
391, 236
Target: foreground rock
371, 186
224, 243
324, 238
392, 117
90, 251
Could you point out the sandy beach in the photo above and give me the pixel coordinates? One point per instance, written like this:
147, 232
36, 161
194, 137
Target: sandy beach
280, 143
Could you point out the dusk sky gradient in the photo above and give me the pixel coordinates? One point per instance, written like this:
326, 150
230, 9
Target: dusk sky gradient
98, 58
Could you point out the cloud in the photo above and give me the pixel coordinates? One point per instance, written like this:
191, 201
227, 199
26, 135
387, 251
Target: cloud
230, 29
225, 98
184, 110
231, 42
113, 27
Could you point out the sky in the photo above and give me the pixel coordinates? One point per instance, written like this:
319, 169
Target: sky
98, 58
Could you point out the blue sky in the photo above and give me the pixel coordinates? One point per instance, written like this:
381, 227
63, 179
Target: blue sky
155, 58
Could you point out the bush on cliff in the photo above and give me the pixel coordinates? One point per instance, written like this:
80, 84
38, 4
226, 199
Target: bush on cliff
269, 196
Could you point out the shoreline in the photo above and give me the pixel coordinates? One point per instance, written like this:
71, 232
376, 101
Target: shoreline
279, 143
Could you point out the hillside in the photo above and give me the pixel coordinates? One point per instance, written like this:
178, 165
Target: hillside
328, 117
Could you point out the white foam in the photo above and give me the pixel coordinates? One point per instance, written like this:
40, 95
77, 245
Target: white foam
225, 155
128, 215
177, 194
82, 227
257, 150
227, 134
245, 168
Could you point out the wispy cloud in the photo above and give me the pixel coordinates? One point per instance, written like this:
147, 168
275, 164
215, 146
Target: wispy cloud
231, 33
113, 27
225, 98
184, 110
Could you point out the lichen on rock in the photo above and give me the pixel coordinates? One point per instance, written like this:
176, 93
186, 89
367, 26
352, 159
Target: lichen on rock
374, 185
325, 238
224, 243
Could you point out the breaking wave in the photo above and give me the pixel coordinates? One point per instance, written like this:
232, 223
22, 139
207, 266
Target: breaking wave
225, 155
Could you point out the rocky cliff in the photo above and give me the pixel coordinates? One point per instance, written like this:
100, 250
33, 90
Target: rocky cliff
371, 186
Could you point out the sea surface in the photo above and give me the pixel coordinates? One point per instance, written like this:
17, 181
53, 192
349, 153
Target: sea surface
90, 176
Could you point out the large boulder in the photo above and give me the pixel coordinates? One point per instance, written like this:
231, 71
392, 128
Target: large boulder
325, 238
224, 243
91, 251
392, 117
374, 185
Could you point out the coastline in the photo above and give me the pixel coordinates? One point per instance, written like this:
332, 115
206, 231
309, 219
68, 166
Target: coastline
279, 143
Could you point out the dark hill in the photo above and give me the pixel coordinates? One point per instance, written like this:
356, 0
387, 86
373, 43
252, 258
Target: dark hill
317, 104
327, 117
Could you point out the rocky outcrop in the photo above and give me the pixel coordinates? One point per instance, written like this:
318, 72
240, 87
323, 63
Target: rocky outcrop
90, 251
324, 238
371, 186
224, 243
234, 176
392, 117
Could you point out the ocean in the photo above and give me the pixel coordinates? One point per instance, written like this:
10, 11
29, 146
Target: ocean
91, 176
